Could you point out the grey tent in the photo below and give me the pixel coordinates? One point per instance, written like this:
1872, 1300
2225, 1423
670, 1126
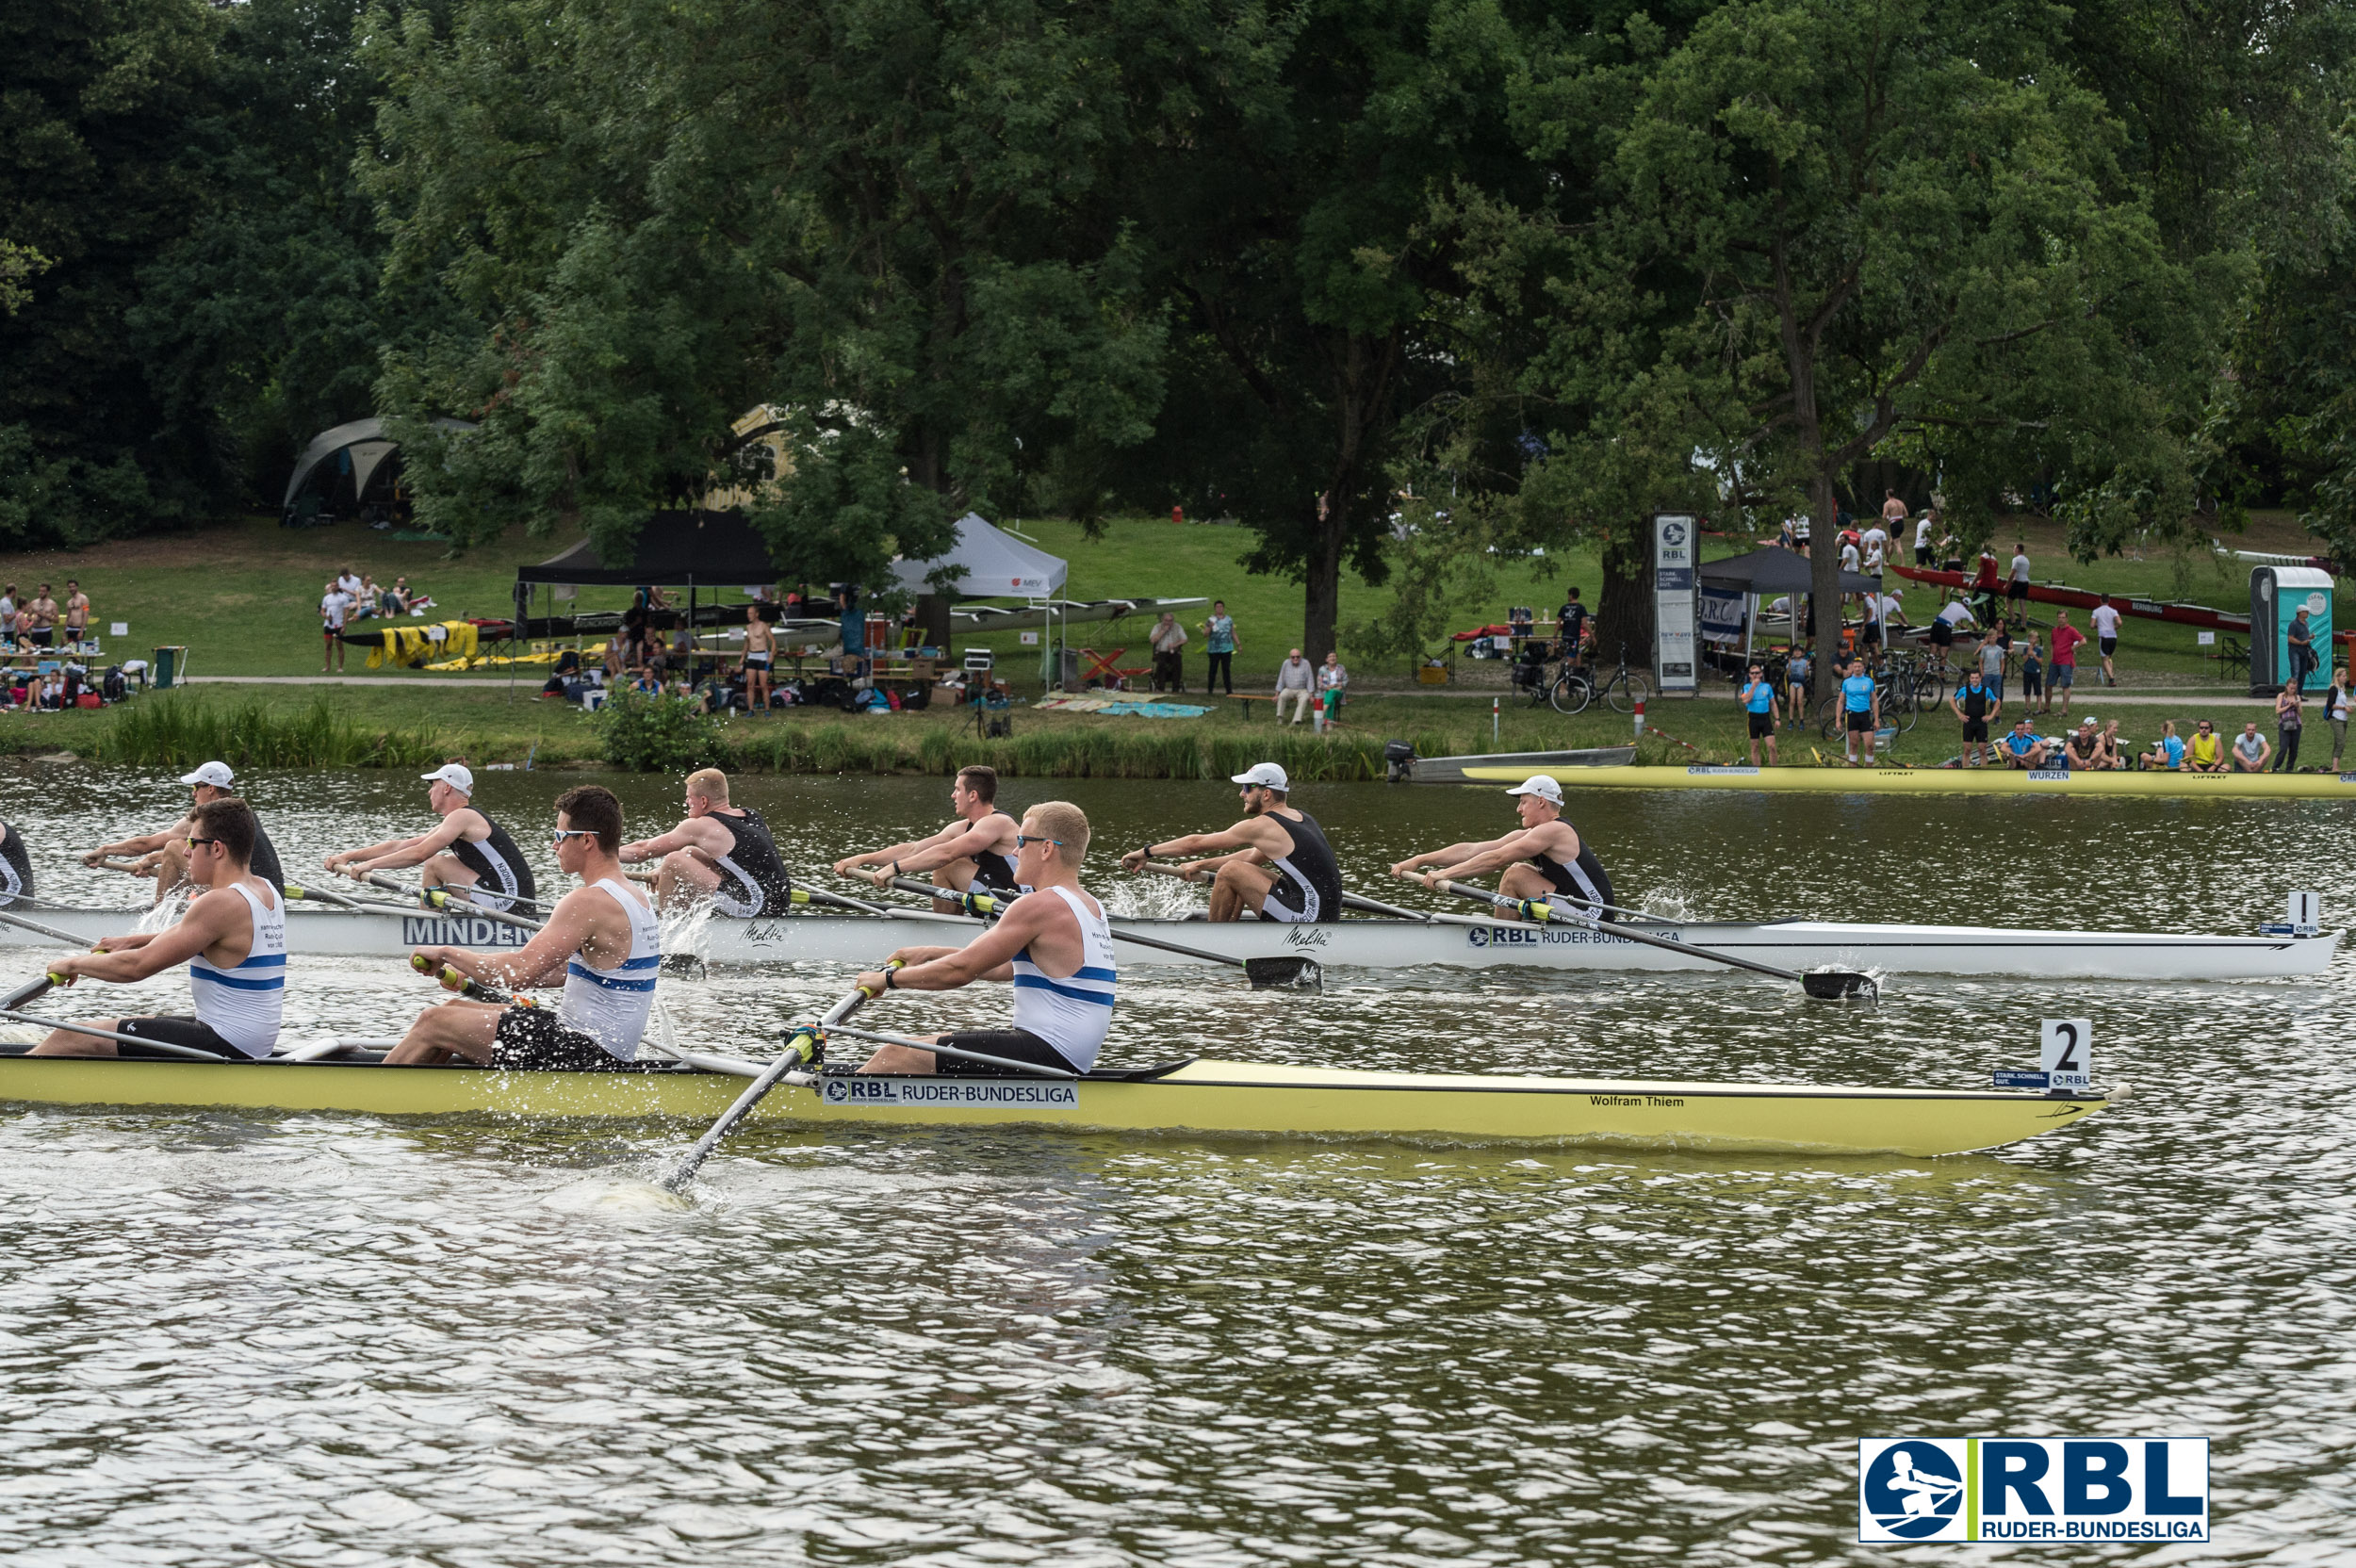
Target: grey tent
358, 449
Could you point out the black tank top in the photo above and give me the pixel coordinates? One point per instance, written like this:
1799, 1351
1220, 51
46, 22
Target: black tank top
995, 869
1974, 701
754, 861
498, 861
1309, 879
265, 863
16, 866
1582, 879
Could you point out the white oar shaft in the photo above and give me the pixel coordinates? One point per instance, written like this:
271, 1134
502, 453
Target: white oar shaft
188, 1051
38, 929
957, 1050
1506, 901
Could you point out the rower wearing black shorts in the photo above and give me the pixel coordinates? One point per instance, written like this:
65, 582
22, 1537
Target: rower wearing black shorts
976, 853
1544, 858
469, 855
723, 853
16, 867
1275, 862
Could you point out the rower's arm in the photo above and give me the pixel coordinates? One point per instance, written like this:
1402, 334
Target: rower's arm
206, 922
895, 852
413, 851
945, 846
1495, 856
681, 837
145, 844
988, 956
1450, 855
539, 962
344, 857
1191, 845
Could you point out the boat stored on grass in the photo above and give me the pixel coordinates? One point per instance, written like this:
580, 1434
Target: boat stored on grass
1934, 781
1371, 943
1195, 1096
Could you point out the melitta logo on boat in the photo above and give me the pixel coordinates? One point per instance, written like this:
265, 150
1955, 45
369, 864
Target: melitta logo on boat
1306, 935
2033, 1489
459, 931
1551, 935
951, 1094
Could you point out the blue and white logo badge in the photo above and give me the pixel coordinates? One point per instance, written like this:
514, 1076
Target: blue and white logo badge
1910, 1489
1478, 936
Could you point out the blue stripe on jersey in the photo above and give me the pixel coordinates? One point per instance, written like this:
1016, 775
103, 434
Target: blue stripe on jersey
652, 960
261, 960
1040, 983
612, 984
217, 978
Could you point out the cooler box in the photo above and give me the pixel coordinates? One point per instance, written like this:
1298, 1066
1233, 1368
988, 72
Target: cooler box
171, 667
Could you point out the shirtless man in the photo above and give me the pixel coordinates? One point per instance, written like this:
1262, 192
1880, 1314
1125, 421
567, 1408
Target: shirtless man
976, 853
603, 940
1053, 943
723, 853
233, 939
1544, 858
1275, 862
760, 656
43, 612
468, 855
76, 612
16, 867
165, 855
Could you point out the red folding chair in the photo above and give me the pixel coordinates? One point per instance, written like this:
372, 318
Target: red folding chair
1106, 667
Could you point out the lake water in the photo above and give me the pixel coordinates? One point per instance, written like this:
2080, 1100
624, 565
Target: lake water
351, 1341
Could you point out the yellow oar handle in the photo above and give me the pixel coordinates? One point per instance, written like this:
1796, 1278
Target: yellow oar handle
889, 967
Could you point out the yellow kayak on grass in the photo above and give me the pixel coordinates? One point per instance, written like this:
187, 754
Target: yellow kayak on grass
1940, 782
1191, 1097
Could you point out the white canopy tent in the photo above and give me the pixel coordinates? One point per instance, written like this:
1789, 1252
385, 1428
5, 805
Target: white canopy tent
997, 564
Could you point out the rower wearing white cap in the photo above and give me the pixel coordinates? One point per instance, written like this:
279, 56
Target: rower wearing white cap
165, 857
468, 855
1547, 859
1275, 862
233, 939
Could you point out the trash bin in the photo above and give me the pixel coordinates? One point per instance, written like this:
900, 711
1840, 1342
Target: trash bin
172, 666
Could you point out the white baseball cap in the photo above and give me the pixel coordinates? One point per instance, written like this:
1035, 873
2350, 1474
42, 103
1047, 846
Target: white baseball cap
215, 773
456, 774
1542, 785
1266, 775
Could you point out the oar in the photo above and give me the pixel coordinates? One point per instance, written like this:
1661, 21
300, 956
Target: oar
436, 898
891, 911
1832, 985
191, 1053
321, 895
1279, 973
1040, 1068
38, 929
799, 1047
1428, 917
28, 993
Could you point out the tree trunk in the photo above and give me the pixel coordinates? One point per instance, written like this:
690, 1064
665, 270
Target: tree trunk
1624, 613
1321, 596
1824, 569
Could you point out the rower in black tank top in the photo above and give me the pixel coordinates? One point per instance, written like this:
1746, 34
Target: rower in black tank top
992, 870
753, 879
16, 866
266, 860
1582, 883
500, 865
1308, 879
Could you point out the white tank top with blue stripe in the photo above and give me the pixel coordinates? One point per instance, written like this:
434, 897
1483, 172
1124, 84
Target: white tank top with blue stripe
611, 1005
1074, 1013
243, 1005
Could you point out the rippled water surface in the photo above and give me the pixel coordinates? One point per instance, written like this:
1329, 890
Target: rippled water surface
344, 1340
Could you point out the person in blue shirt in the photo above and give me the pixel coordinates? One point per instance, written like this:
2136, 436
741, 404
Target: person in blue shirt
2168, 753
1862, 703
1758, 701
2019, 747
1975, 705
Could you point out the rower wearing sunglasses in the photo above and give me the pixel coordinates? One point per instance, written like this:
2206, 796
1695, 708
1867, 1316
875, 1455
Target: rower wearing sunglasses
603, 940
1053, 943
233, 939
468, 856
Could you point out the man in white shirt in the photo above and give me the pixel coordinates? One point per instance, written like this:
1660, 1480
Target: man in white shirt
333, 606
2106, 619
1922, 541
2017, 588
1169, 638
1849, 563
1297, 683
349, 583
1877, 547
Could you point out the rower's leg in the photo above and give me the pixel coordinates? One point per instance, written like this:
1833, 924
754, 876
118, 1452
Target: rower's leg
684, 880
901, 1058
172, 868
65, 1042
1240, 885
1521, 882
465, 1029
448, 872
957, 876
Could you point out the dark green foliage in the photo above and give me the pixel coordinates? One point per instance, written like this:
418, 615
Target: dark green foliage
180, 729
665, 733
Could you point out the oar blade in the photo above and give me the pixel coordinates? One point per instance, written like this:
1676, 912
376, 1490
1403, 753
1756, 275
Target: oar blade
1284, 974
1841, 984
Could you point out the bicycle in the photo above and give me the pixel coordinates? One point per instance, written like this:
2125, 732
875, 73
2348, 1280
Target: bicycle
1624, 688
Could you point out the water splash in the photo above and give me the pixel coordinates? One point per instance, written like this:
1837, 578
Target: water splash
1155, 898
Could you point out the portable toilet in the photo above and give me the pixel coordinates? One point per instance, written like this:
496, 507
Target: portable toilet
2276, 595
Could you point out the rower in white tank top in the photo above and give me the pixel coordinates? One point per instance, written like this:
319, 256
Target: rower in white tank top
1071, 1013
243, 1005
611, 1005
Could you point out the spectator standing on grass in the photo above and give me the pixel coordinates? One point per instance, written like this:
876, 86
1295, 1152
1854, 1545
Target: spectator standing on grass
1875, 542
41, 617
1985, 584
2299, 636
76, 612
334, 607
1219, 642
1570, 623
7, 609
1990, 659
1978, 707
2017, 589
1893, 510
1862, 704
2336, 704
2032, 674
2289, 720
1295, 684
1169, 638
2167, 753
1922, 539
2106, 619
2207, 752
1332, 680
2064, 674
1759, 709
2250, 751
1797, 685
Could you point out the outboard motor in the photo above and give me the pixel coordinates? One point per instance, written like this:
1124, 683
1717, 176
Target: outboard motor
1398, 760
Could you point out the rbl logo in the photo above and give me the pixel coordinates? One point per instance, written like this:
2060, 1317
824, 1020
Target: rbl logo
2033, 1489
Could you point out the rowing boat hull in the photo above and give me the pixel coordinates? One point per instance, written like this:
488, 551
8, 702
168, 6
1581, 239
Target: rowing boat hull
1387, 944
1942, 781
1201, 1098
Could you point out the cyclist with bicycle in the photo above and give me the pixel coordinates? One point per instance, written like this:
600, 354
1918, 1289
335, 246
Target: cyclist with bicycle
1758, 701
